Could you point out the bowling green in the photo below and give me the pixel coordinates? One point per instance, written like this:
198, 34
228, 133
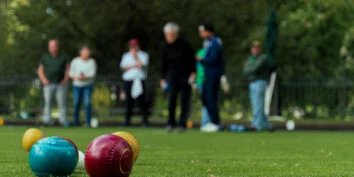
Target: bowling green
201, 154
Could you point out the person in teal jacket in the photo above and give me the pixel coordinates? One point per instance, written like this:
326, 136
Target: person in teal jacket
200, 77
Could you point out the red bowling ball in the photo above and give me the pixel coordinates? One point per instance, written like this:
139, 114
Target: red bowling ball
109, 156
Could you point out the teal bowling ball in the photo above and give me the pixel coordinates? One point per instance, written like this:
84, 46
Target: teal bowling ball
53, 156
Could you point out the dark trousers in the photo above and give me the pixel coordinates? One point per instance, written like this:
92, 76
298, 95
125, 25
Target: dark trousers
176, 86
130, 103
210, 96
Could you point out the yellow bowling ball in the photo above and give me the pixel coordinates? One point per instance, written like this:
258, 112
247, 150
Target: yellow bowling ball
30, 137
189, 124
2, 122
131, 140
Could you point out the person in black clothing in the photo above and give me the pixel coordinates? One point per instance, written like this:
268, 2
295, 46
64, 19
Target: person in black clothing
178, 71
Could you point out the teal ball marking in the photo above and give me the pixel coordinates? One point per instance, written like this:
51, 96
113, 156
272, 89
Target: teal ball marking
53, 156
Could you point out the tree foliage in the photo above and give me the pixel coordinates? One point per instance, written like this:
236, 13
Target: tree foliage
311, 33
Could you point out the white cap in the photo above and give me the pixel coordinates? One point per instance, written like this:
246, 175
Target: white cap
201, 28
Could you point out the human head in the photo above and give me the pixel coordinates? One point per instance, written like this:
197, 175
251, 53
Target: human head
85, 52
171, 30
206, 30
256, 48
53, 47
134, 45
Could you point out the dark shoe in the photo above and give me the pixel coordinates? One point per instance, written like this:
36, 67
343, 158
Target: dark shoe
271, 130
181, 129
221, 128
169, 128
86, 126
46, 124
251, 129
72, 124
66, 124
126, 124
145, 125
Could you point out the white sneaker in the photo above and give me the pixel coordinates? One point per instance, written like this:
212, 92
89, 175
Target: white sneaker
210, 127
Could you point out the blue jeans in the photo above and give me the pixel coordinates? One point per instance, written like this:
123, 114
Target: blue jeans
257, 96
205, 114
80, 93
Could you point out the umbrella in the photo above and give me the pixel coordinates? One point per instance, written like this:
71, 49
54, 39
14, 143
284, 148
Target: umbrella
271, 37
272, 96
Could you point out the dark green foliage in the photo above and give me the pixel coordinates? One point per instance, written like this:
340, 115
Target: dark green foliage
310, 32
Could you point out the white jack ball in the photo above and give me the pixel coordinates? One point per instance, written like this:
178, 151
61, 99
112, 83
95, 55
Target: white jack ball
94, 123
290, 125
81, 161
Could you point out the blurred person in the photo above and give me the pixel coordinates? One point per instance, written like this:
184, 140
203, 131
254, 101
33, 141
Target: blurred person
213, 64
53, 73
83, 72
134, 64
178, 72
200, 77
257, 71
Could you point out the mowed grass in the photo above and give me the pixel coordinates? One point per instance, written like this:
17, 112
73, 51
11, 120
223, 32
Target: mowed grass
199, 154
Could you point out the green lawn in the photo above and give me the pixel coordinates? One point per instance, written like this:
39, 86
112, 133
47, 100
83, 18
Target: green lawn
198, 154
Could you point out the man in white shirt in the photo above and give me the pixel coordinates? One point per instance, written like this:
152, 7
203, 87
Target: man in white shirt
134, 65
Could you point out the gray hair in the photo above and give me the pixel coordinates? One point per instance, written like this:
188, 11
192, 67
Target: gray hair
171, 26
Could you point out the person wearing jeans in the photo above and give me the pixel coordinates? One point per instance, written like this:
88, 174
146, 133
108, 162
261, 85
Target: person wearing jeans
83, 72
60, 92
53, 72
256, 69
257, 94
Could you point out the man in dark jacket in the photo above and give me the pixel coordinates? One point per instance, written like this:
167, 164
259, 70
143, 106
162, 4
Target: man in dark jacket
213, 63
257, 69
178, 71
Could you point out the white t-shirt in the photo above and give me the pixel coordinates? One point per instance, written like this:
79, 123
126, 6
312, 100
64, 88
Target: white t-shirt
134, 73
87, 68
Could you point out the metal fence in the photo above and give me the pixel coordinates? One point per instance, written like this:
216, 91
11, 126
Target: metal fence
315, 98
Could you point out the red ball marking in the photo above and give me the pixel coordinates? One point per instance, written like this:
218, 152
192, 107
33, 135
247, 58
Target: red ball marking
109, 156
125, 168
72, 142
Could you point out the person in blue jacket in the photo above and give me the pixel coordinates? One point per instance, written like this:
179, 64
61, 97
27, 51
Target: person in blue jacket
213, 63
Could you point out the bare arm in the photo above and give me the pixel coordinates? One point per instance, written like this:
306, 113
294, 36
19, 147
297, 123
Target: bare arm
138, 64
41, 75
129, 67
66, 77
